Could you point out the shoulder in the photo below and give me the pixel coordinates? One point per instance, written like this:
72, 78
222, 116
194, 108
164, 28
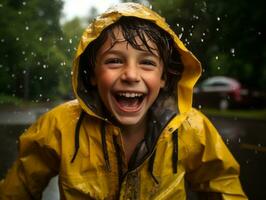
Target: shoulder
63, 113
70, 107
197, 132
59, 118
194, 120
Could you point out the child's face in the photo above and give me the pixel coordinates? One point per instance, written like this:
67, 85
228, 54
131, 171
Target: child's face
128, 80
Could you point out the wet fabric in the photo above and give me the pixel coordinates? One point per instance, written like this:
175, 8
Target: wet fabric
78, 141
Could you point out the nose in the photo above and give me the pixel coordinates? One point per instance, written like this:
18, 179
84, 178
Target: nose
131, 73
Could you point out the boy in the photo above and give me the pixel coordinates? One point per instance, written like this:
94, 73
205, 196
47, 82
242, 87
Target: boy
131, 133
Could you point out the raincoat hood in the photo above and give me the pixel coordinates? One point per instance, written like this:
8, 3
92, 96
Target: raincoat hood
190, 74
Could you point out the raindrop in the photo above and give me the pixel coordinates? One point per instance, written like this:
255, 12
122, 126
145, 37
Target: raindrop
216, 57
1, 5
27, 28
195, 17
177, 25
182, 29
12, 75
180, 35
40, 38
200, 106
232, 50
218, 18
47, 99
190, 34
259, 33
24, 3
19, 12
71, 73
2, 40
61, 38
40, 78
247, 161
70, 41
40, 13
23, 52
17, 38
227, 140
40, 95
203, 34
24, 71
217, 29
202, 40
218, 68
239, 140
150, 6
1, 66
44, 66
259, 145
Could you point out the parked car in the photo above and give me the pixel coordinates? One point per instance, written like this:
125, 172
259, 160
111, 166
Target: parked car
219, 92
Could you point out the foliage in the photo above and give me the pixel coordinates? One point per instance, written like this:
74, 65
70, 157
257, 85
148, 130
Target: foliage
36, 52
30, 58
227, 36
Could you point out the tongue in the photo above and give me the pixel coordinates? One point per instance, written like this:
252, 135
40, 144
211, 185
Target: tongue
128, 103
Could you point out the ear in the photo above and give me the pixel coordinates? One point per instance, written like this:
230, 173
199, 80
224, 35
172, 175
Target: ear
93, 81
162, 84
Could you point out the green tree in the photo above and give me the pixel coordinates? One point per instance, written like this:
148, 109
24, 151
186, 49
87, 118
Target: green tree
30, 58
227, 36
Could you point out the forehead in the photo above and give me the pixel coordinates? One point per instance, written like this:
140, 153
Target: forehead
140, 42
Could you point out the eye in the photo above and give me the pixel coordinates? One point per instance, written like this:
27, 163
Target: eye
113, 61
148, 62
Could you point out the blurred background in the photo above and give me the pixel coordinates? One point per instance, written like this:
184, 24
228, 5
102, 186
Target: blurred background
38, 40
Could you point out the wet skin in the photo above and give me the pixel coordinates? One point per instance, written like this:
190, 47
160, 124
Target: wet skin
128, 80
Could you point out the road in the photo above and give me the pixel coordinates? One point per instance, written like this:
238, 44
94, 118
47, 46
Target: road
245, 138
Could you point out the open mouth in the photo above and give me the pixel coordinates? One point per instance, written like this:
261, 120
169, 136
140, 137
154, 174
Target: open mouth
129, 101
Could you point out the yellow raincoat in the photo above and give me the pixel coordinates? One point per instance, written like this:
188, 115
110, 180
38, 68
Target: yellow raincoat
76, 141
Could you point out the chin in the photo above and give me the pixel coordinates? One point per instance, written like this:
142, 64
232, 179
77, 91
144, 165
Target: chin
128, 121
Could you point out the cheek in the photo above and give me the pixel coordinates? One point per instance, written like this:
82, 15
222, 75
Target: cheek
155, 84
104, 82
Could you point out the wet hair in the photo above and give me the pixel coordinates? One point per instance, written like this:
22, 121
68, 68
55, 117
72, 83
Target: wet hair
133, 28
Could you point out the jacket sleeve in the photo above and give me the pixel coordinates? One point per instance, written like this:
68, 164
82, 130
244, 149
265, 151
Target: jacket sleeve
212, 170
37, 162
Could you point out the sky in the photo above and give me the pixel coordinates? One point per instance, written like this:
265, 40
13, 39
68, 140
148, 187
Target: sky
80, 8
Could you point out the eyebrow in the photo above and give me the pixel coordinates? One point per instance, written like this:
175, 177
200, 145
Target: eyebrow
120, 52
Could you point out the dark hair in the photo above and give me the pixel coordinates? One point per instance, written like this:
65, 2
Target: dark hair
145, 30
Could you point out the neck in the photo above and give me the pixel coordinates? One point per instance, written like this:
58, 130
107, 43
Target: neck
132, 135
136, 129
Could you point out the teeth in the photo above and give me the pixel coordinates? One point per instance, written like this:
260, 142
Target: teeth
130, 95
